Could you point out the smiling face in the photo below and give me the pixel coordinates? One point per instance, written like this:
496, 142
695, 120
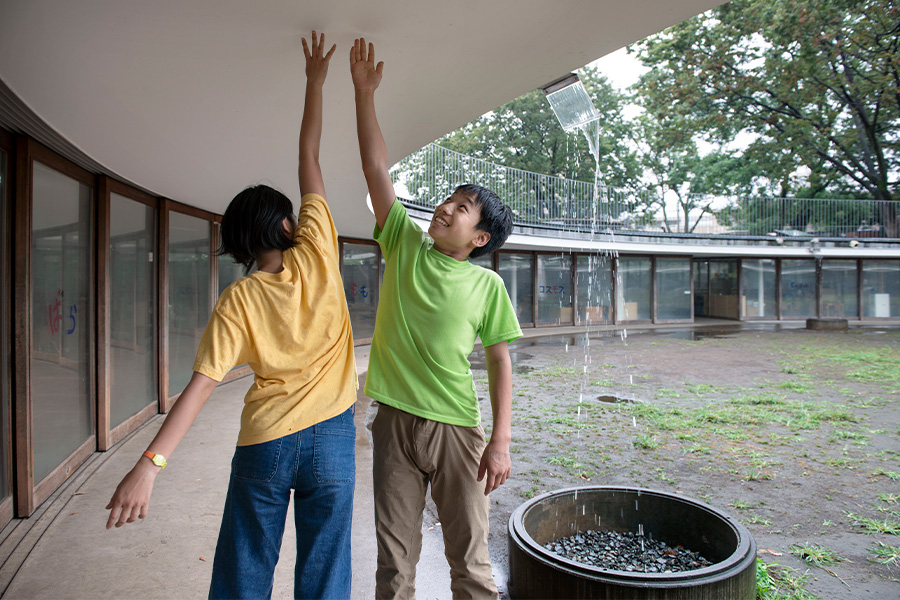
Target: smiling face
453, 226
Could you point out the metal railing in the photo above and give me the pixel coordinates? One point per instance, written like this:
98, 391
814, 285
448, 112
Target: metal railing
426, 177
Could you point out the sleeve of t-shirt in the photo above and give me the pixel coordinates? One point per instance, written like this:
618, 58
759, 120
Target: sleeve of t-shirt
499, 323
314, 222
398, 228
222, 346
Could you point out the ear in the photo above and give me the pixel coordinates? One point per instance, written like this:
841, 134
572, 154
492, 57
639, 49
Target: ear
481, 239
287, 226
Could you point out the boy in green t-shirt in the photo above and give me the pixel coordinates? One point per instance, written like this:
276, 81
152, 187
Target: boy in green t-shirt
433, 306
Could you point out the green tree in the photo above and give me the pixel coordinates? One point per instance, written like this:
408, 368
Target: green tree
817, 82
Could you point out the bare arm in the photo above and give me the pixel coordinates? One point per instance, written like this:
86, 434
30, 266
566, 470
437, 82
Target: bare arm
309, 171
495, 461
366, 77
132, 496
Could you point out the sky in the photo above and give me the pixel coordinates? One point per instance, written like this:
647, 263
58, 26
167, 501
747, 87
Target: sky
622, 69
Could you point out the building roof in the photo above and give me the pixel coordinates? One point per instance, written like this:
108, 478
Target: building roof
194, 100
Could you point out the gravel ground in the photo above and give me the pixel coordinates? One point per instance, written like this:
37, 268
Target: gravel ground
796, 433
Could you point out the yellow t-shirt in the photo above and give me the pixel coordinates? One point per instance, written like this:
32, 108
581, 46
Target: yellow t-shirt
293, 329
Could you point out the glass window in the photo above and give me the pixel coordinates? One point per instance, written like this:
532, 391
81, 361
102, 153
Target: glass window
61, 324
881, 288
229, 271
593, 283
633, 289
839, 288
515, 269
360, 277
701, 288
673, 288
554, 279
482, 261
6, 278
798, 288
723, 300
188, 294
758, 288
132, 330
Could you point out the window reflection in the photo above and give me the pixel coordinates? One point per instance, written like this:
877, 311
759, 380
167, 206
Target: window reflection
633, 289
189, 308
673, 288
515, 269
758, 288
593, 282
61, 325
133, 382
360, 274
881, 288
554, 288
798, 288
839, 289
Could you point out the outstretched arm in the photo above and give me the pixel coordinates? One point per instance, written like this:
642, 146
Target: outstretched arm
309, 171
495, 462
366, 75
132, 496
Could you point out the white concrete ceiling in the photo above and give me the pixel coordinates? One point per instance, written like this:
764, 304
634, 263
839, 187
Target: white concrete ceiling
196, 99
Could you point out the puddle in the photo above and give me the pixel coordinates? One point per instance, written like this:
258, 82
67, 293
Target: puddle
617, 400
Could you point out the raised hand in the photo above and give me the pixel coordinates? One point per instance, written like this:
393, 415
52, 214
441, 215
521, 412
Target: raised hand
366, 74
316, 59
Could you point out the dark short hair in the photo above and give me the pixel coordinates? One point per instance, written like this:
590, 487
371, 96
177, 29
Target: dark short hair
251, 225
496, 217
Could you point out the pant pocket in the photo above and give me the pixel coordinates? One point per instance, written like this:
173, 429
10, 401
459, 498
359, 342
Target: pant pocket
334, 455
257, 462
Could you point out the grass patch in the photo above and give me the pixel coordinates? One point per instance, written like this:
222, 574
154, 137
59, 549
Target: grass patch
645, 442
885, 554
890, 526
813, 554
777, 582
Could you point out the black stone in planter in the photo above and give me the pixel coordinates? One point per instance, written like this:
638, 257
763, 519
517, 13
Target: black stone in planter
535, 572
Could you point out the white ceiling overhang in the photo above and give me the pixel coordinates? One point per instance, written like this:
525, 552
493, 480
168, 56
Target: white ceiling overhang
196, 99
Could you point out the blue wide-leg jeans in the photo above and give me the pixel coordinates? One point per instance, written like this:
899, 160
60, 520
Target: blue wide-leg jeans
319, 464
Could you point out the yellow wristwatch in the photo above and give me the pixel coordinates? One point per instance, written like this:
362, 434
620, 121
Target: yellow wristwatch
158, 459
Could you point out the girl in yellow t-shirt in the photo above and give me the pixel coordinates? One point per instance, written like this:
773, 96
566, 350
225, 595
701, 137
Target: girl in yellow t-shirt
288, 320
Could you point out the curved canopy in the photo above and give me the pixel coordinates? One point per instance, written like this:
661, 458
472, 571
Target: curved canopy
196, 99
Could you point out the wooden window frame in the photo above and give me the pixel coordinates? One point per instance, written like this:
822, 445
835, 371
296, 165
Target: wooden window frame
166, 207
531, 253
107, 437
7, 144
28, 493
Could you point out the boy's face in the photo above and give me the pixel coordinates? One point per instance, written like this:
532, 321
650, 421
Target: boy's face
453, 226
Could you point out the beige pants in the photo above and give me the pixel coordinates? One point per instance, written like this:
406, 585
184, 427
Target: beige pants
410, 452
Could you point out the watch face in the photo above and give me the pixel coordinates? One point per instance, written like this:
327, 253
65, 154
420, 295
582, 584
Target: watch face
159, 460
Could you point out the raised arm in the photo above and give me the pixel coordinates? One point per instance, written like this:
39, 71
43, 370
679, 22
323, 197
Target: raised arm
309, 171
366, 76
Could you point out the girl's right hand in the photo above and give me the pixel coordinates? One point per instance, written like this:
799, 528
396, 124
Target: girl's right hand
316, 60
132, 496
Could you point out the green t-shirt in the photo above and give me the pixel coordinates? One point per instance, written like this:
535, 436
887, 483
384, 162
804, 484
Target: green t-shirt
431, 310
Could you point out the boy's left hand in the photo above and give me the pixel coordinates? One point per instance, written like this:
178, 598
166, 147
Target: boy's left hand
316, 60
495, 463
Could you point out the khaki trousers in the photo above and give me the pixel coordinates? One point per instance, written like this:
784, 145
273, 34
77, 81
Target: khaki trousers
409, 453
